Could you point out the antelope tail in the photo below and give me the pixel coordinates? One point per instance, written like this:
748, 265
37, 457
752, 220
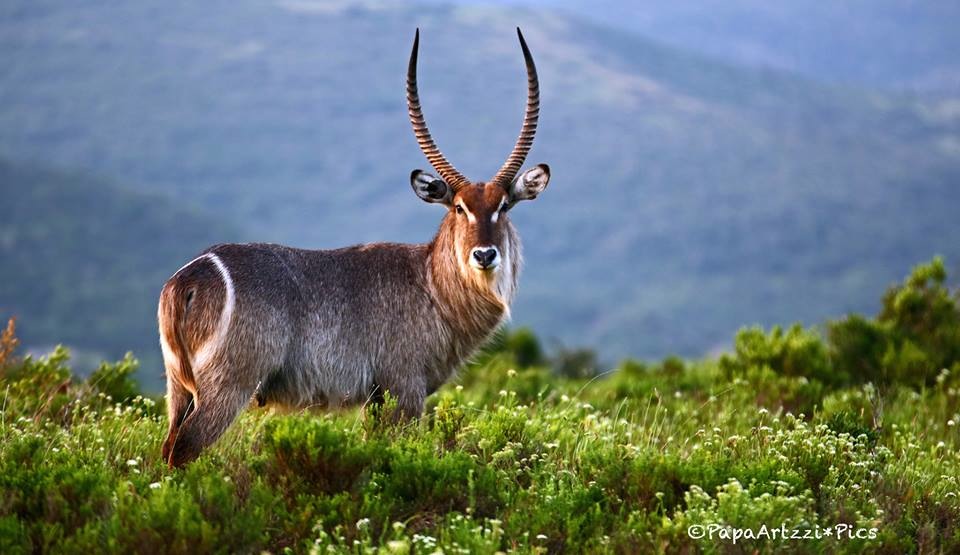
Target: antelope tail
172, 315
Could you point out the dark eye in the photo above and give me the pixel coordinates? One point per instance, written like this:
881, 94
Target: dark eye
503, 207
459, 209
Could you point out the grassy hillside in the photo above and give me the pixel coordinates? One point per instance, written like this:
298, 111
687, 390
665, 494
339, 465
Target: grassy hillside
84, 259
790, 430
689, 197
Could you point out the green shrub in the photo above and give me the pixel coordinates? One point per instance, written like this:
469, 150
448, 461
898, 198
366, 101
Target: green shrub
574, 363
520, 345
525, 347
916, 334
317, 455
38, 388
858, 345
116, 380
797, 353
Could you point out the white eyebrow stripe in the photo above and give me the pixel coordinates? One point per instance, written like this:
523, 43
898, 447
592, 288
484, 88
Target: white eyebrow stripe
470, 216
496, 215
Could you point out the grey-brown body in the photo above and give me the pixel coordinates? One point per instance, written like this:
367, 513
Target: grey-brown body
327, 328
333, 328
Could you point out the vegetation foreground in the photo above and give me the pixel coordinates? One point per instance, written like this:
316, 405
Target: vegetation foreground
852, 427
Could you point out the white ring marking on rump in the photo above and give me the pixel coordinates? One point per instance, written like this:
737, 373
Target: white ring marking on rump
205, 353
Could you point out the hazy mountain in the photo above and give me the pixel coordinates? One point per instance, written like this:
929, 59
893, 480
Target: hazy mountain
689, 196
84, 259
902, 44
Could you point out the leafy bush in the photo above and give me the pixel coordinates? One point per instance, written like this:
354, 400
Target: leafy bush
575, 363
525, 347
116, 381
916, 334
796, 352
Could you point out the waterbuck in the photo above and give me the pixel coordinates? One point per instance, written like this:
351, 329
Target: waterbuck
331, 328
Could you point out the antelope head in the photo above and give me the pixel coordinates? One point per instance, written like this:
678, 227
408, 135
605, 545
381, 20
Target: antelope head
477, 211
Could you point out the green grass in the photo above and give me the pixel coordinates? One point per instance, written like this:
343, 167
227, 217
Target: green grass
510, 457
516, 460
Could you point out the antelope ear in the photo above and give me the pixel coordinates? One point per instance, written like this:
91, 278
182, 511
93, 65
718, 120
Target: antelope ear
430, 188
530, 184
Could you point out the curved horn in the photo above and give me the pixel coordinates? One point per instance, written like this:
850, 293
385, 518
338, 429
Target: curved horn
446, 170
510, 168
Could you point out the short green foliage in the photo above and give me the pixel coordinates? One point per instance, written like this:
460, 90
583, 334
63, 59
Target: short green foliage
916, 334
796, 352
116, 380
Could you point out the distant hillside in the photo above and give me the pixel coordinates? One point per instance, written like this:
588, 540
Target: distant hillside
897, 44
689, 197
84, 260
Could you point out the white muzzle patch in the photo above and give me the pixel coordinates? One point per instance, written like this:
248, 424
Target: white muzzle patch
485, 258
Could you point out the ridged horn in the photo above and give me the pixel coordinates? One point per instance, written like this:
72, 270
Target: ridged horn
446, 170
510, 168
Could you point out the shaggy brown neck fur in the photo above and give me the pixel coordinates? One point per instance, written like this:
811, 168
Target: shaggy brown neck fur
466, 299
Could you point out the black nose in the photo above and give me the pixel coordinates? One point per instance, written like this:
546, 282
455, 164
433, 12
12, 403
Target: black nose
484, 256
